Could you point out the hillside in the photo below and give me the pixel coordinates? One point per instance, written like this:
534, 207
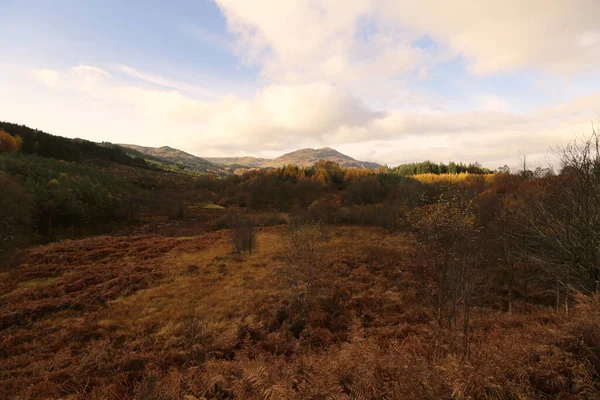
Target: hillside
168, 156
44, 144
301, 158
252, 162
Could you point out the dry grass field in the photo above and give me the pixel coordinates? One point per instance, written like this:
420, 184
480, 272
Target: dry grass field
147, 316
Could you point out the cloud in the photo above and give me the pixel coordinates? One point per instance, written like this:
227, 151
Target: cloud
48, 77
162, 81
559, 36
337, 41
355, 41
80, 75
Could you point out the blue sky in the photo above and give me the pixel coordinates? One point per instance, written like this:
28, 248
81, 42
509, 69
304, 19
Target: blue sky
379, 80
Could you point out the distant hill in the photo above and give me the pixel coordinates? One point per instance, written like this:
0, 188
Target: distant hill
252, 162
308, 157
303, 158
180, 160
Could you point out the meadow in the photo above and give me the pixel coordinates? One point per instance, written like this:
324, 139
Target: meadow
168, 316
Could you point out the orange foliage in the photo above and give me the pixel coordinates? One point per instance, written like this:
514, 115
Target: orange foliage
9, 143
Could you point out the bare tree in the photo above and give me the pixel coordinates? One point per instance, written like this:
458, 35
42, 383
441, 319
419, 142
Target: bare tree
302, 251
448, 237
561, 219
243, 234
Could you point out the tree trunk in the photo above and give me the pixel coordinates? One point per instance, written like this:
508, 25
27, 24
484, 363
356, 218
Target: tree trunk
510, 290
567, 298
466, 328
557, 295
525, 276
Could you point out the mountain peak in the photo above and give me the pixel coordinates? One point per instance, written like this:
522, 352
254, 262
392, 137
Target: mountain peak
308, 157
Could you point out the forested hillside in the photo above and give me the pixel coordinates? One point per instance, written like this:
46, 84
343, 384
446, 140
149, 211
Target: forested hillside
61, 148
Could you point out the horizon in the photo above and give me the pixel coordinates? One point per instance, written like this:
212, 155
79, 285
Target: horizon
378, 81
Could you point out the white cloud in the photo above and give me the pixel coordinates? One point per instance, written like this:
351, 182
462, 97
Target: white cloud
48, 77
358, 41
306, 41
162, 81
560, 35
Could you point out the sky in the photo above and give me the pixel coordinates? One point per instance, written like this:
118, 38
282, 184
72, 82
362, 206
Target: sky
390, 81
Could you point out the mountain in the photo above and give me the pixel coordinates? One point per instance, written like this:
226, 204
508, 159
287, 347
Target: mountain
308, 157
176, 159
252, 162
303, 158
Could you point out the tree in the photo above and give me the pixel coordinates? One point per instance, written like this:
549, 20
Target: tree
15, 214
448, 235
9, 143
302, 252
561, 217
243, 234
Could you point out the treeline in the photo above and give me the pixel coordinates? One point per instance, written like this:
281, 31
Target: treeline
332, 194
46, 145
67, 199
428, 167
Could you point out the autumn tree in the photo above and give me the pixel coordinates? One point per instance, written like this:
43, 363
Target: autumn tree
9, 143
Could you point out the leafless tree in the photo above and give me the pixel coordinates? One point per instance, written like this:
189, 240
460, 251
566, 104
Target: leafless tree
561, 219
448, 235
302, 252
243, 234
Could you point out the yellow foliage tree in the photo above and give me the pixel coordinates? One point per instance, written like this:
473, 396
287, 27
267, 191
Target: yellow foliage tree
9, 143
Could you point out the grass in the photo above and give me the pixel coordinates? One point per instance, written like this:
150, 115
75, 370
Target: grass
150, 317
213, 206
41, 282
